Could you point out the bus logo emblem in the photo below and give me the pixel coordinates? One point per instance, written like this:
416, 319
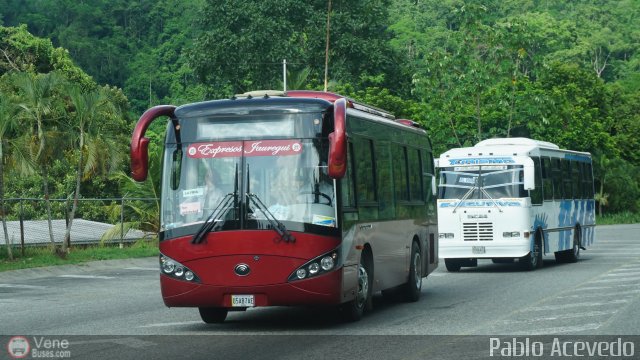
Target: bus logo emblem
242, 270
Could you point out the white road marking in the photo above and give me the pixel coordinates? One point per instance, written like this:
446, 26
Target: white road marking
171, 324
21, 286
558, 330
624, 279
143, 268
574, 305
623, 274
599, 287
87, 277
562, 316
600, 295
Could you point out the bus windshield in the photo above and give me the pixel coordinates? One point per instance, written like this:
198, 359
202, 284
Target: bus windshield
482, 182
288, 176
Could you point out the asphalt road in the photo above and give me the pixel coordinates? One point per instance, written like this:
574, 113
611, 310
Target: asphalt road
110, 307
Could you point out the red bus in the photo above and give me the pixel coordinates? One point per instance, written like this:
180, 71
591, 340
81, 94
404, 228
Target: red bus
293, 198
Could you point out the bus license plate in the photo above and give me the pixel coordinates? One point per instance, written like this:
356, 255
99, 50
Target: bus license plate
478, 249
242, 301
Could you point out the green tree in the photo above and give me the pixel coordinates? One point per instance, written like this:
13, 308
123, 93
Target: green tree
7, 125
90, 110
40, 109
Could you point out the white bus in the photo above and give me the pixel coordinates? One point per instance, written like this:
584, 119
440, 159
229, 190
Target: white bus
514, 198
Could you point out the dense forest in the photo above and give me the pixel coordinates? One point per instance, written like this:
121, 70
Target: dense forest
567, 72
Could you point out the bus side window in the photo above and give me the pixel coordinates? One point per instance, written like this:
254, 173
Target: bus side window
547, 179
575, 180
557, 179
416, 190
347, 182
589, 181
365, 175
567, 179
400, 183
536, 194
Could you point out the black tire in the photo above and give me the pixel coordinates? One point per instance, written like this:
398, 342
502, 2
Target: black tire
572, 255
533, 259
413, 287
214, 315
354, 309
452, 265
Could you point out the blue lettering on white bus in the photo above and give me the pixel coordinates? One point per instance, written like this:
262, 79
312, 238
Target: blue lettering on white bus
481, 161
481, 203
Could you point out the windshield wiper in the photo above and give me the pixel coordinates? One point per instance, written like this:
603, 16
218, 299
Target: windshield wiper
276, 224
492, 199
464, 198
210, 223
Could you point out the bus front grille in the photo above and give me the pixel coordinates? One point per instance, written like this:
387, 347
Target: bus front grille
477, 231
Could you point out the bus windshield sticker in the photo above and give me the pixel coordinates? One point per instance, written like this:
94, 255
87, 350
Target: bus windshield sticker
323, 220
467, 180
193, 192
187, 208
215, 149
248, 148
272, 148
494, 167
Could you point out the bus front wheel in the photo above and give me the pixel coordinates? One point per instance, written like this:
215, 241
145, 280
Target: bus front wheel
213, 315
533, 260
353, 310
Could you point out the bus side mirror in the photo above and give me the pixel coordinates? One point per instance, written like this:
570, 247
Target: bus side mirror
529, 175
139, 151
337, 165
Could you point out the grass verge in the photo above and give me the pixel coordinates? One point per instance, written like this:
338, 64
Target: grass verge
619, 218
44, 256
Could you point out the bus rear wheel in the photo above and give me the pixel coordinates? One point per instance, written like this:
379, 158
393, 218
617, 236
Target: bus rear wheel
413, 287
213, 315
572, 255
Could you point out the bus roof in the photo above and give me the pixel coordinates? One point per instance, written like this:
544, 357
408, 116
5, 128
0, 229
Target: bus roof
517, 141
507, 147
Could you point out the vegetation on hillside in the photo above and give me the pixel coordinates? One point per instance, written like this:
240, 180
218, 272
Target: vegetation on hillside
567, 72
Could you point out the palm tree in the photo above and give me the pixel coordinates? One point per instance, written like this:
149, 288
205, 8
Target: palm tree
90, 110
37, 106
7, 123
147, 212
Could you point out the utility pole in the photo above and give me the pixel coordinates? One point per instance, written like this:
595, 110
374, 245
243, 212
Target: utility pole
284, 74
326, 51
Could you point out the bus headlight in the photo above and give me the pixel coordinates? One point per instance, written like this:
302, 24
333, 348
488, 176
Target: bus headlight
511, 234
318, 266
174, 269
327, 263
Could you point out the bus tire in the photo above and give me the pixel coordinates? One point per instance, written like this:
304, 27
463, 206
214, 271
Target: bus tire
533, 259
353, 310
572, 255
213, 315
452, 265
413, 287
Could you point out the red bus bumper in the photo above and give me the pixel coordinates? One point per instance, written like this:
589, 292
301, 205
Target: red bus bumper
322, 290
